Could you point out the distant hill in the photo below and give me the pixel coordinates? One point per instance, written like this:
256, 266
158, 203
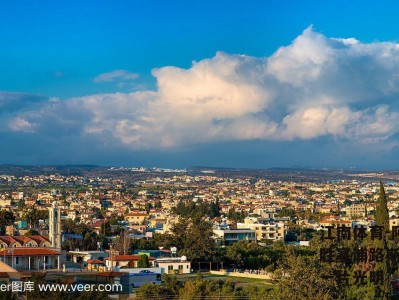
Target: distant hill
295, 174
22, 170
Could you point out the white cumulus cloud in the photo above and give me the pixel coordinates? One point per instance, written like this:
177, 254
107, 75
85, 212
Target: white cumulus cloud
316, 86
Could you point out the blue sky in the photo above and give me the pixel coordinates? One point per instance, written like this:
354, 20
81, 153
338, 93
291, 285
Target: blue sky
84, 38
113, 83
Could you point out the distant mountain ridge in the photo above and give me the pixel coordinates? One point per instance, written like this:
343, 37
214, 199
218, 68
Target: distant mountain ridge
294, 174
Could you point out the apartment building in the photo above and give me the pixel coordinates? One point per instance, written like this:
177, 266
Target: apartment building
230, 236
265, 228
356, 210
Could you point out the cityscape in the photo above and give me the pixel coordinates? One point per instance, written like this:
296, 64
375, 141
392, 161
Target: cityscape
199, 150
132, 228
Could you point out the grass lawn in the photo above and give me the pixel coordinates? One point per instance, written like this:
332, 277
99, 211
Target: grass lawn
243, 281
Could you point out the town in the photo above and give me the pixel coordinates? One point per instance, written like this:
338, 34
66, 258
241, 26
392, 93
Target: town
134, 232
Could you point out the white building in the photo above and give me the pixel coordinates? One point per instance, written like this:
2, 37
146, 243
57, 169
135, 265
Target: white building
84, 256
230, 236
32, 259
173, 265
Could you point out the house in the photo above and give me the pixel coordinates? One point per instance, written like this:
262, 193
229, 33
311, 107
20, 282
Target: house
45, 198
137, 218
84, 256
98, 226
173, 265
32, 258
157, 222
95, 265
394, 221
335, 222
127, 261
5, 202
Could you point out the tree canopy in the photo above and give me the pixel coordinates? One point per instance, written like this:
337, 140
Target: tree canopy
6, 218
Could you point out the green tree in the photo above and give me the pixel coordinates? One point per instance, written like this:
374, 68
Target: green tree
21, 203
143, 262
106, 228
115, 219
382, 219
31, 232
193, 238
34, 215
302, 277
162, 240
151, 291
8, 296
286, 212
382, 216
93, 295
205, 289
200, 288
249, 255
143, 244
236, 216
191, 209
7, 218
169, 288
90, 238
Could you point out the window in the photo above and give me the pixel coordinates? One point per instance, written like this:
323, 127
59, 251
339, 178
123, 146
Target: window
170, 268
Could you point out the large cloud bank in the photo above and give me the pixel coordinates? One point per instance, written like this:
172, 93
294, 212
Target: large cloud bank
316, 86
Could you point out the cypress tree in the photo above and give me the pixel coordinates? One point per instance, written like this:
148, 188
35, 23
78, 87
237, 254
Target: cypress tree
382, 219
382, 216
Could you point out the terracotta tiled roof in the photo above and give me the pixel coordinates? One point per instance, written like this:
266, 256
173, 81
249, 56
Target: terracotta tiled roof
95, 261
98, 223
40, 238
30, 251
6, 239
6, 268
23, 240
